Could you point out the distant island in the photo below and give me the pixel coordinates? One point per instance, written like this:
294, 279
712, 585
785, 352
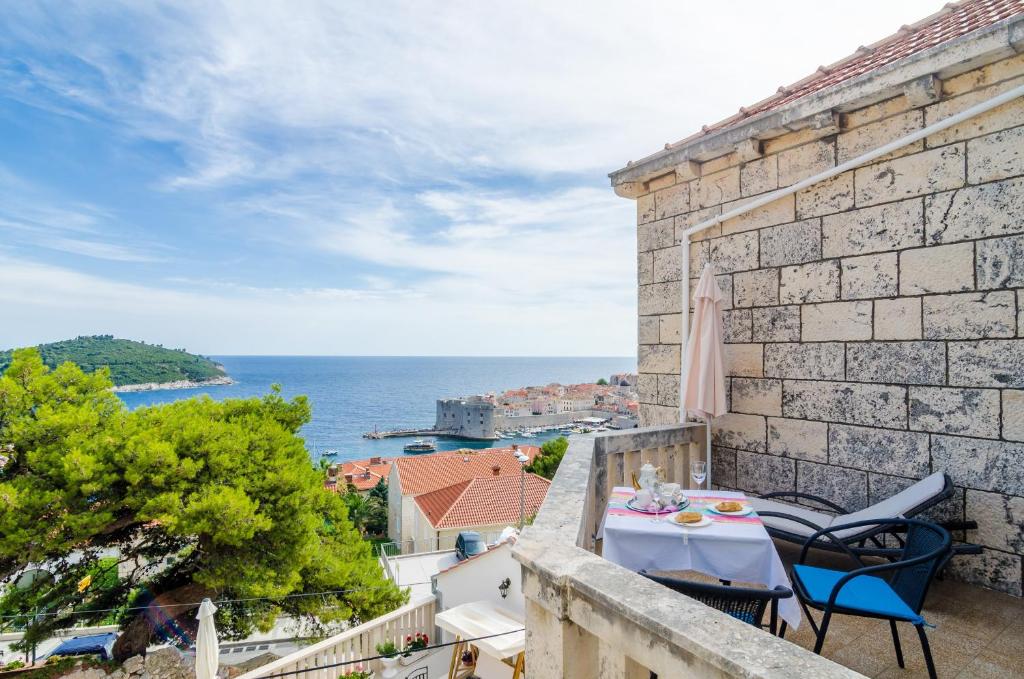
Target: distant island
134, 366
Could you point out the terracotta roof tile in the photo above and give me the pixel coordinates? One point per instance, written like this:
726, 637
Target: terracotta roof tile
365, 473
426, 473
482, 501
953, 21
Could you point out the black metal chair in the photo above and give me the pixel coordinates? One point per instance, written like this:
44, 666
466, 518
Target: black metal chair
898, 595
421, 673
743, 603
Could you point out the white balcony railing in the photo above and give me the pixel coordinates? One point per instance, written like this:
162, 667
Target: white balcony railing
588, 617
321, 660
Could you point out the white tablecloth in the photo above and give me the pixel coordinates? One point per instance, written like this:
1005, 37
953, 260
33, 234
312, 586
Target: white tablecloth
731, 548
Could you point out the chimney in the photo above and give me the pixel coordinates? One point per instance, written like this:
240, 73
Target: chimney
496, 469
375, 460
332, 470
515, 447
348, 478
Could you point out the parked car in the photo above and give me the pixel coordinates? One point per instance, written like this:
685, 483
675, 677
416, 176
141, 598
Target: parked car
469, 543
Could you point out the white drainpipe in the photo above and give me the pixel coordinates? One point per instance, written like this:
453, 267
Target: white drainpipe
955, 119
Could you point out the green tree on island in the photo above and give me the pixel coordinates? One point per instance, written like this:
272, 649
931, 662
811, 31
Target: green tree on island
602, 382
198, 498
551, 453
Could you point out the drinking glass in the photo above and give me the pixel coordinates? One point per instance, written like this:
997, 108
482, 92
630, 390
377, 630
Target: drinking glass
699, 472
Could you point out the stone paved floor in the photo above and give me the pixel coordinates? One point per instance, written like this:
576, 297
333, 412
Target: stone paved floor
979, 634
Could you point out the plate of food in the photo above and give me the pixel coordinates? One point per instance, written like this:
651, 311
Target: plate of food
731, 508
690, 520
654, 508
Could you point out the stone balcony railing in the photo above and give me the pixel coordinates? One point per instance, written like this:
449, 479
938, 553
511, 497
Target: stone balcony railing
588, 617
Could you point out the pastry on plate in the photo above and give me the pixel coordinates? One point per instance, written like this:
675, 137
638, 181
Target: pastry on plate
729, 506
688, 517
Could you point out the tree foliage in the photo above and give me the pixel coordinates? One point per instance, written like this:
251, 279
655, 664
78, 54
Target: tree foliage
551, 452
129, 362
198, 498
602, 382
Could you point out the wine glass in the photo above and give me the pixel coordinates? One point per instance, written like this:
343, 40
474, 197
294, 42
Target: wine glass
699, 472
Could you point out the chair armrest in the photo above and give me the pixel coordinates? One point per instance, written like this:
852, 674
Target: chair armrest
807, 496
965, 548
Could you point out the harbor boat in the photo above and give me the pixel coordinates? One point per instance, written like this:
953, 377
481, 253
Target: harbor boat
419, 446
330, 453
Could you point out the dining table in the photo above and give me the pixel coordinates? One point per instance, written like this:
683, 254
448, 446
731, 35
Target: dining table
728, 547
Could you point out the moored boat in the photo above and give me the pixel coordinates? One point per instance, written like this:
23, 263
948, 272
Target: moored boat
419, 446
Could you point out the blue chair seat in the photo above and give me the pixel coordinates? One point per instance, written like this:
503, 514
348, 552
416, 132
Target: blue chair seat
864, 593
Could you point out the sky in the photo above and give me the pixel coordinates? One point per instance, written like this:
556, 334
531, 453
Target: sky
343, 178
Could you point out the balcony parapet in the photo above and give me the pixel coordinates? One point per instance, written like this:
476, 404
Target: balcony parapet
587, 617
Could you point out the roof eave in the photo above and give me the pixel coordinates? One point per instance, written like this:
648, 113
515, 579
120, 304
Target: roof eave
820, 110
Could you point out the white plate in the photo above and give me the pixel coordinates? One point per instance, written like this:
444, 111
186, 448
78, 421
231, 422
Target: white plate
743, 512
705, 521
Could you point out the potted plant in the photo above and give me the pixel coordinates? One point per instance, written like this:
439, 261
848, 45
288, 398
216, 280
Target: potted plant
415, 648
358, 673
389, 658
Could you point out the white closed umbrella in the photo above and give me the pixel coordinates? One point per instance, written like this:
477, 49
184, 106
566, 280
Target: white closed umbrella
703, 388
207, 648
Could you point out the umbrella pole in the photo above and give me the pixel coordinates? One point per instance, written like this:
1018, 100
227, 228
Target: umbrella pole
708, 427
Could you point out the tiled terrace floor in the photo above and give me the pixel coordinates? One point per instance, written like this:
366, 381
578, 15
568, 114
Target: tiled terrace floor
979, 633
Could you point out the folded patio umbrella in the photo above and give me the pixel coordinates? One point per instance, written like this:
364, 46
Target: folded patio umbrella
207, 648
703, 388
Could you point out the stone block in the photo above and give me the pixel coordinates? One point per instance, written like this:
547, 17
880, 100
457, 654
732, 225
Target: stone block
1001, 263
898, 319
658, 358
995, 570
995, 156
668, 390
718, 188
776, 324
736, 326
653, 415
647, 329
927, 172
801, 439
939, 268
760, 474
818, 361
675, 200
870, 276
804, 161
827, 197
776, 212
700, 254
756, 396
836, 321
668, 264
873, 405
660, 298
895, 226
882, 487
723, 467
981, 464
644, 268
662, 181
655, 235
846, 487
885, 451
1000, 520
1013, 415
794, 243
670, 329
695, 217
645, 209
897, 362
759, 176
975, 212
1002, 117
647, 387
743, 432
948, 410
735, 253
860, 140
756, 288
744, 360
970, 315
813, 282
987, 363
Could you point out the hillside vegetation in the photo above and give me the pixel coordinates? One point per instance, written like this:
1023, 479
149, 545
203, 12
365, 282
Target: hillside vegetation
129, 362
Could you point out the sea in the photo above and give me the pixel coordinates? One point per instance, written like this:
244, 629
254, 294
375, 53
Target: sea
351, 395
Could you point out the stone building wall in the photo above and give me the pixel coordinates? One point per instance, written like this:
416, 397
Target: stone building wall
875, 321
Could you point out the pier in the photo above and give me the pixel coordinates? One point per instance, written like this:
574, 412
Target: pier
395, 433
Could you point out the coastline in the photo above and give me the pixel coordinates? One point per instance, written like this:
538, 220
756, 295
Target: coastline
177, 384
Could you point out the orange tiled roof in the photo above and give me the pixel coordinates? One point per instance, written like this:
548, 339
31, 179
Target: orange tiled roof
426, 473
365, 474
482, 501
953, 21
